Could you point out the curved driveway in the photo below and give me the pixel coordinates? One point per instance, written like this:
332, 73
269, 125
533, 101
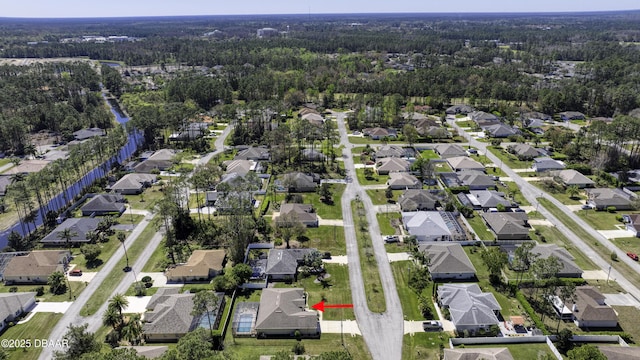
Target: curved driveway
382, 332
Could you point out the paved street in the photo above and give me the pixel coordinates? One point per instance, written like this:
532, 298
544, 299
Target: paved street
382, 332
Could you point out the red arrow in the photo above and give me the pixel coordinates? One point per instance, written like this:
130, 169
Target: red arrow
321, 306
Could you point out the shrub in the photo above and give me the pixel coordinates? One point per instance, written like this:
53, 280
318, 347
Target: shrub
147, 279
619, 218
298, 348
611, 209
614, 256
13, 289
39, 290
140, 289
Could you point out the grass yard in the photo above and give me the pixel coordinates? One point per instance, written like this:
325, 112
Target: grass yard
398, 247
628, 244
467, 124
76, 289
603, 220
327, 211
442, 167
338, 291
424, 345
630, 274
373, 286
378, 196
561, 195
374, 180
509, 159
480, 228
554, 236
429, 155
368, 140
528, 351
147, 200
408, 297
131, 291
629, 320
384, 221
39, 327
327, 238
512, 187
106, 288
157, 260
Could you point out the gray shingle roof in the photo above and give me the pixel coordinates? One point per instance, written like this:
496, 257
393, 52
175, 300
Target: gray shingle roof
79, 226
170, 313
104, 203
478, 354
463, 162
573, 177
447, 258
284, 309
133, 182
507, 223
412, 198
568, 264
303, 212
468, 305
285, 261
11, 303
487, 198
450, 150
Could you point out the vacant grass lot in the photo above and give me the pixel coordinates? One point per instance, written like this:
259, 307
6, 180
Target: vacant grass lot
442, 167
408, 297
146, 200
157, 260
561, 195
509, 159
429, 154
603, 220
373, 286
522, 351
512, 188
374, 180
629, 320
327, 238
103, 292
630, 274
424, 345
327, 211
378, 196
39, 327
384, 221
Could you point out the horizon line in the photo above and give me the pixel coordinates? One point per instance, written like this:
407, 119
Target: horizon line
567, 12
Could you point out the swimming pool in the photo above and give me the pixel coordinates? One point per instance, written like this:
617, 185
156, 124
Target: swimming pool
244, 323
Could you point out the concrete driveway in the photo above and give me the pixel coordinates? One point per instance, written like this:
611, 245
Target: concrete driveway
613, 234
52, 307
330, 222
594, 275
159, 279
137, 304
85, 277
338, 327
340, 259
403, 256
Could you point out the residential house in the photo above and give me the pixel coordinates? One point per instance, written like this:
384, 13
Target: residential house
389, 151
283, 313
104, 204
300, 182
132, 184
169, 315
255, 153
572, 177
477, 354
543, 164
313, 118
389, 165
79, 228
590, 309
528, 118
459, 109
459, 163
500, 130
282, 264
12, 305
240, 167
469, 308
523, 151
569, 267
435, 132
302, 212
508, 225
615, 352
312, 155
483, 119
602, 198
160, 160
449, 150
432, 226
475, 180
424, 125
211, 197
35, 267
201, 266
403, 180
484, 199
633, 223
448, 261
378, 133
415, 116
571, 115
190, 131
418, 200
89, 133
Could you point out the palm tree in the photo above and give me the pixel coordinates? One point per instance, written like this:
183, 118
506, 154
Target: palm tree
132, 331
66, 235
111, 318
573, 191
119, 302
122, 237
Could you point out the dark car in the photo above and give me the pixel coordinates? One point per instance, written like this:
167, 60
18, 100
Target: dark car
432, 325
126, 269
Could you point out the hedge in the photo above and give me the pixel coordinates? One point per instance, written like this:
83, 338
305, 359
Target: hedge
532, 314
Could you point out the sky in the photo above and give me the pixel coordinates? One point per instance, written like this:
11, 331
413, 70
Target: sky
118, 8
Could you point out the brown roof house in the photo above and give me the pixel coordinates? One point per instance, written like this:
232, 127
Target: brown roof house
477, 354
590, 310
300, 182
508, 225
571, 177
448, 261
302, 212
36, 266
460, 163
389, 165
201, 266
283, 313
132, 184
403, 180
12, 305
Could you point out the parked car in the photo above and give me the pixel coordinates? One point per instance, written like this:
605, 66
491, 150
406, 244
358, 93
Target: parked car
634, 256
391, 238
432, 325
75, 272
586, 207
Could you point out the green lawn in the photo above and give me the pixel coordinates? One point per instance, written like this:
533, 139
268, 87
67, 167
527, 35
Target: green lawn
146, 200
39, 327
561, 195
368, 140
628, 244
603, 220
76, 289
378, 196
408, 297
629, 320
424, 345
512, 188
327, 238
375, 178
480, 228
373, 286
509, 159
157, 261
338, 291
429, 154
327, 211
466, 124
131, 291
528, 351
630, 274
384, 221
397, 247
106, 288
442, 167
